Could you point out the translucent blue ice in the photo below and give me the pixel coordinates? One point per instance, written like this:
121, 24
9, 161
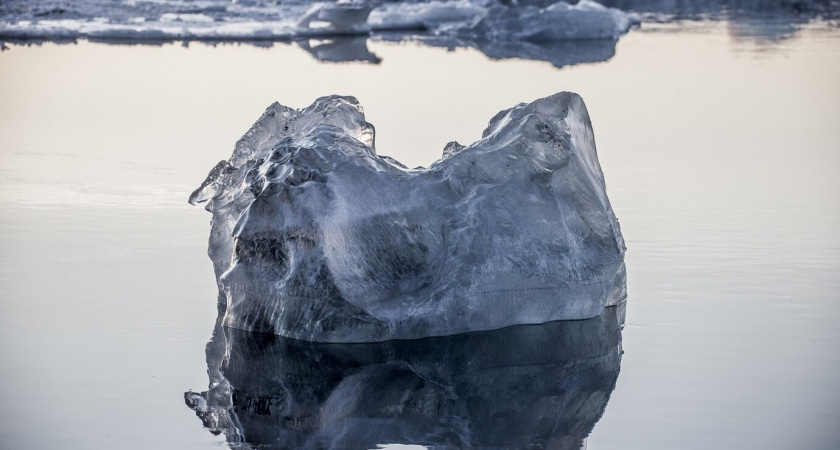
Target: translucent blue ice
316, 237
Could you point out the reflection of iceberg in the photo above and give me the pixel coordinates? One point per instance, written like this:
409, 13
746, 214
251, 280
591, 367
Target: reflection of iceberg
339, 49
316, 237
669, 10
754, 20
558, 53
532, 386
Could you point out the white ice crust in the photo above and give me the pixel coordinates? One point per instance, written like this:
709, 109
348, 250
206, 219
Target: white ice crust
316, 237
225, 20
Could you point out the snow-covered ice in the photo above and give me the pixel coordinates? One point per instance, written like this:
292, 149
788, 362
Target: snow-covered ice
559, 33
252, 20
316, 237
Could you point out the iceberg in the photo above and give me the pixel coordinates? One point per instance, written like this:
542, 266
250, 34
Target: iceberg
533, 386
316, 237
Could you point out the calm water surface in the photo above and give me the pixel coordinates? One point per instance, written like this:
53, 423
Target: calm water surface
720, 149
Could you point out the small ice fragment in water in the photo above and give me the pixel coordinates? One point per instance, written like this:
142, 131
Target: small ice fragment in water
316, 237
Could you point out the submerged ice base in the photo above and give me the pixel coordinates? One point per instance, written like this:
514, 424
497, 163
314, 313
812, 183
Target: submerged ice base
316, 237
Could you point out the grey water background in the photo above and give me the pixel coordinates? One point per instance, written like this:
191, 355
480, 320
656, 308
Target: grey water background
719, 143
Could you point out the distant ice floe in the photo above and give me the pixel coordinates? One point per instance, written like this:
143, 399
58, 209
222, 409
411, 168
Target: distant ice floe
546, 30
496, 26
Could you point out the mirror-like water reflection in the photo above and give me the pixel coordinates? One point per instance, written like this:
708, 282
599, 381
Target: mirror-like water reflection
532, 386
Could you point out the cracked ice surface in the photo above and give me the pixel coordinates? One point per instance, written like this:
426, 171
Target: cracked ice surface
316, 237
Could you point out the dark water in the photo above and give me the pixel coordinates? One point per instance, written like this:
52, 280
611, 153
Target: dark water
719, 145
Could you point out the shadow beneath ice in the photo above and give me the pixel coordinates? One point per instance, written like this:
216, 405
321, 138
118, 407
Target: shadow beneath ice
534, 386
559, 53
733, 10
759, 21
345, 49
339, 49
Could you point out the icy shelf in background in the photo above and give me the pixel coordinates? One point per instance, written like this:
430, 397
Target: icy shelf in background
225, 20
